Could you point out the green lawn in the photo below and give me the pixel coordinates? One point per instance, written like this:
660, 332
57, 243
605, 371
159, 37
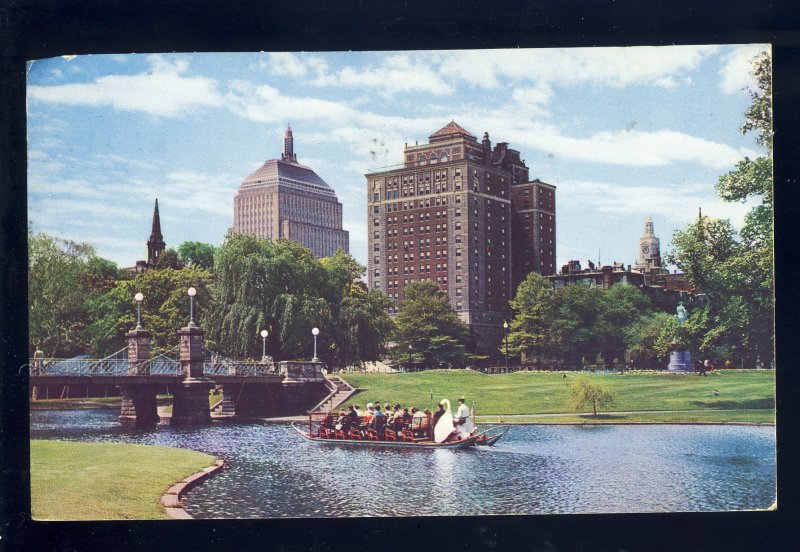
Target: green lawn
547, 392
81, 481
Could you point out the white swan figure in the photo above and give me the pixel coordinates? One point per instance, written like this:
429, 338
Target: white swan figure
444, 427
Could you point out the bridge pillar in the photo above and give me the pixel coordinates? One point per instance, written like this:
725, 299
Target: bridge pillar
190, 398
138, 400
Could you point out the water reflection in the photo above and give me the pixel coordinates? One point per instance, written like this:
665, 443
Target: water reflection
534, 469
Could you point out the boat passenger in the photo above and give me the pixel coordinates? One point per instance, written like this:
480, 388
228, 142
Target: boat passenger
358, 410
352, 415
407, 415
435, 418
342, 423
367, 418
378, 421
416, 413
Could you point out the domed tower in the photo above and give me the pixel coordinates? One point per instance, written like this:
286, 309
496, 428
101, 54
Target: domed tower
649, 248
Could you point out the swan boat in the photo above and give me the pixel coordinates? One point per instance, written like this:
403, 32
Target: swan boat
325, 427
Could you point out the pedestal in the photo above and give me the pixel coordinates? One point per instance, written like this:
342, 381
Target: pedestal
680, 361
190, 402
139, 405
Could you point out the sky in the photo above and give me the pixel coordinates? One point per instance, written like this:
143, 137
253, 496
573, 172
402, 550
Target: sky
623, 133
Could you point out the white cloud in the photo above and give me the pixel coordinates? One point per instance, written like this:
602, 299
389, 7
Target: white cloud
736, 71
163, 91
614, 67
398, 73
286, 64
675, 201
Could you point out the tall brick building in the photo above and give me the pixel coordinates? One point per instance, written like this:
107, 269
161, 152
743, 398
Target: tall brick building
284, 199
447, 215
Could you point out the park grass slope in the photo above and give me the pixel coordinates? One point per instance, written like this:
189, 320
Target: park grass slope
725, 396
105, 481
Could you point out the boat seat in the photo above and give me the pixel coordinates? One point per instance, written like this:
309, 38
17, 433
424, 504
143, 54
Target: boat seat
340, 434
390, 435
326, 433
372, 434
356, 434
407, 435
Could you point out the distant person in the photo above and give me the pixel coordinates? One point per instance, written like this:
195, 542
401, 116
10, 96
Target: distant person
703, 368
463, 422
435, 417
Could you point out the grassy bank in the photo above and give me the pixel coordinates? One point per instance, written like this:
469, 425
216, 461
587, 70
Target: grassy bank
81, 481
724, 396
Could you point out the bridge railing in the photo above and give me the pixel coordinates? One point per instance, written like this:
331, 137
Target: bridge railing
238, 368
78, 367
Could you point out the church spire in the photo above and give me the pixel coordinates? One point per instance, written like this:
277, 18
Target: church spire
155, 245
288, 146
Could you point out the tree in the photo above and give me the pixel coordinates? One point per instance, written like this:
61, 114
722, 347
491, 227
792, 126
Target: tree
62, 277
736, 273
642, 339
165, 308
192, 253
169, 259
273, 285
582, 391
361, 325
534, 307
428, 331
621, 306
578, 313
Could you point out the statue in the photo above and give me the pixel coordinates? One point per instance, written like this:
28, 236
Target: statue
682, 315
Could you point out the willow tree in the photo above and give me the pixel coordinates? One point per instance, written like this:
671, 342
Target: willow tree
276, 286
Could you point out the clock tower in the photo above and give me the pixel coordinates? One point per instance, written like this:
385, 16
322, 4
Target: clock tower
649, 248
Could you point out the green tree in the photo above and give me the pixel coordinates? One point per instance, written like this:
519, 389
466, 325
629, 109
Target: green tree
192, 253
530, 330
582, 391
736, 273
169, 259
428, 331
579, 309
621, 306
274, 285
62, 277
165, 308
361, 325
643, 336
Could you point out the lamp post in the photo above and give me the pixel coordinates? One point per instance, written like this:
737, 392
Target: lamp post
139, 298
411, 366
264, 334
192, 292
315, 333
505, 331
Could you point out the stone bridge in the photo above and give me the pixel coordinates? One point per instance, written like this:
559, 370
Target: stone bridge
189, 372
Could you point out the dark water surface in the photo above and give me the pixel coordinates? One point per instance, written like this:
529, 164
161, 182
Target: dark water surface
533, 470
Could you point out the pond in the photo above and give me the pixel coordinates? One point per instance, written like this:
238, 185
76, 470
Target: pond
273, 472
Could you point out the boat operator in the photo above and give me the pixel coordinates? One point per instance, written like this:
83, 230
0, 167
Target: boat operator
462, 421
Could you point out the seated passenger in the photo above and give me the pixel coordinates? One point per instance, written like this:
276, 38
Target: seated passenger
342, 423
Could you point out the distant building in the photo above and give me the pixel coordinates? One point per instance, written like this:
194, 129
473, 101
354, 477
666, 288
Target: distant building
155, 246
649, 249
449, 214
285, 199
648, 275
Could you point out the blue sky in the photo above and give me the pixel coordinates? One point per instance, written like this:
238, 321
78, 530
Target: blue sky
624, 133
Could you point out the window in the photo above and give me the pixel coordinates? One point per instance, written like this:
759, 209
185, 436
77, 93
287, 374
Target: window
376, 222
376, 209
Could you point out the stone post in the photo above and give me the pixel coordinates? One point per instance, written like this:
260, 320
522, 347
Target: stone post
190, 399
138, 399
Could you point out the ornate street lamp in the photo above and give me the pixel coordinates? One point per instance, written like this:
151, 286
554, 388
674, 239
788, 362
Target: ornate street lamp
315, 333
139, 298
264, 334
191, 292
505, 331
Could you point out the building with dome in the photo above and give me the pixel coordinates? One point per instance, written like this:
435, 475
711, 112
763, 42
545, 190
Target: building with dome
286, 199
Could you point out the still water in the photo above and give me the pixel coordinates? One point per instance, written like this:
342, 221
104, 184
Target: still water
533, 470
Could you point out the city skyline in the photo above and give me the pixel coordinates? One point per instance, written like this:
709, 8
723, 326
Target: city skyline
624, 133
